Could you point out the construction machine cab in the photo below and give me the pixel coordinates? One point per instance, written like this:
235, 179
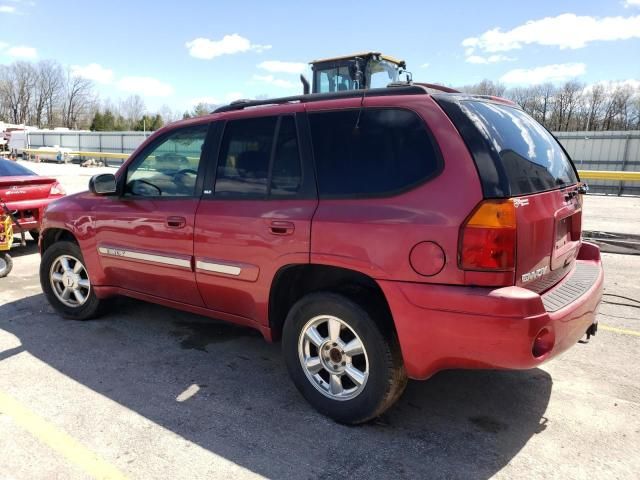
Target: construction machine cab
355, 72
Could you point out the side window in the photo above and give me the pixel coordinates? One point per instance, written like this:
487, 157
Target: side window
169, 169
245, 158
371, 152
286, 174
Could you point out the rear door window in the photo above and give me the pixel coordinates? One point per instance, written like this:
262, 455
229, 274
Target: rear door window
526, 157
259, 157
371, 152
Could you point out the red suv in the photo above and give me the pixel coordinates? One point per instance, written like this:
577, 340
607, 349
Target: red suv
381, 236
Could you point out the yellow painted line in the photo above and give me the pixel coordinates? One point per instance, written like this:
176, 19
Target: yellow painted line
623, 331
80, 152
58, 440
609, 175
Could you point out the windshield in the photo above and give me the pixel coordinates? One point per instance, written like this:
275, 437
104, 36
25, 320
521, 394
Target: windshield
12, 169
381, 73
335, 79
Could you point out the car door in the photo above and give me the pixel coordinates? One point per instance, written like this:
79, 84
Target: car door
255, 216
144, 236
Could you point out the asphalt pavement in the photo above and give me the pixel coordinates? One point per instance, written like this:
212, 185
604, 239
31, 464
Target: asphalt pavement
150, 392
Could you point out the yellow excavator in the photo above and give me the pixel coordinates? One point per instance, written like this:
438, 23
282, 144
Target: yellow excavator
359, 71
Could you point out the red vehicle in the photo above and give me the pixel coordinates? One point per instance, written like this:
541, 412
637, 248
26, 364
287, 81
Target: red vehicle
26, 194
381, 235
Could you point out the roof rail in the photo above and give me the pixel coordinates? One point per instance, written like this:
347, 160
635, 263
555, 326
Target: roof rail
439, 88
317, 97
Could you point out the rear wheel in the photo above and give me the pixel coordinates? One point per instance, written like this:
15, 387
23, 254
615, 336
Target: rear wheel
6, 264
339, 359
65, 281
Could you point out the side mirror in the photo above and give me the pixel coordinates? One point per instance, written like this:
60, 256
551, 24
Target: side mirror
103, 184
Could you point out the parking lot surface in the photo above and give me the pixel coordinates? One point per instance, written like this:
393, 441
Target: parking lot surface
149, 392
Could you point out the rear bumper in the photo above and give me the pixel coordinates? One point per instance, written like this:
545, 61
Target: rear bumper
442, 327
29, 212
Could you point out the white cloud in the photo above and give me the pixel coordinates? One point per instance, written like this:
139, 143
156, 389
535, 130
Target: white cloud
277, 66
425, 65
490, 59
94, 72
631, 3
547, 73
22, 52
7, 9
229, 45
145, 86
565, 31
271, 80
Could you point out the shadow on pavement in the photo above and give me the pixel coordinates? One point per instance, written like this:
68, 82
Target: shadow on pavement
459, 424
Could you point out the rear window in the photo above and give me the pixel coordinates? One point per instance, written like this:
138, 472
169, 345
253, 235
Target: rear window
371, 152
12, 169
525, 157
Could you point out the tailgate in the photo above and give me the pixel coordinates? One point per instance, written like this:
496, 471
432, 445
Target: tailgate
548, 237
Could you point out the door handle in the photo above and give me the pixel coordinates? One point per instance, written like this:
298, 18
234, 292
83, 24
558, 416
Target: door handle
282, 228
176, 222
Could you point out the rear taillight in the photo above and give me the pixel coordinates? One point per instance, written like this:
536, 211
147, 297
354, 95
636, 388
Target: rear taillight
57, 189
488, 237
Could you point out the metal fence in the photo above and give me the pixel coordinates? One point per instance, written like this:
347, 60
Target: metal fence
616, 151
111, 142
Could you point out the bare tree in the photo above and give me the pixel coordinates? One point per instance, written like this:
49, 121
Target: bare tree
167, 114
594, 98
16, 89
48, 92
132, 108
486, 87
78, 100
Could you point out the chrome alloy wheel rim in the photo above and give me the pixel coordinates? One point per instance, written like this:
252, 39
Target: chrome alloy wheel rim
70, 281
333, 357
3, 263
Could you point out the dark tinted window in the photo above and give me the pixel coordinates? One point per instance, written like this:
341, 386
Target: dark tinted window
370, 152
286, 176
9, 168
528, 155
247, 146
243, 165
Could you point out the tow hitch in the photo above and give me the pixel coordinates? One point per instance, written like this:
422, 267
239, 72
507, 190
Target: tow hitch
592, 330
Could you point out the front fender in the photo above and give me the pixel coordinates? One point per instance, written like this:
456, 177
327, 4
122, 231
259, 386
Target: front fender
74, 215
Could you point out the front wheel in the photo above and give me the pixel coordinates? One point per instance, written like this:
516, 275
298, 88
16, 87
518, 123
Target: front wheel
6, 264
65, 282
340, 360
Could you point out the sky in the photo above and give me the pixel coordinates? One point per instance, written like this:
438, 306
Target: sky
180, 53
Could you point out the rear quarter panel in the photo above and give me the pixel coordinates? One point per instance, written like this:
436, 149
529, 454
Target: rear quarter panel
375, 235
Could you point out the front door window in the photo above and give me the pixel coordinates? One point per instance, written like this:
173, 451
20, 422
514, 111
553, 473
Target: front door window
170, 168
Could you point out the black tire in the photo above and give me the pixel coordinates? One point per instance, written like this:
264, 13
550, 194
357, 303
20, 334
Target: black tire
35, 235
6, 264
91, 308
386, 375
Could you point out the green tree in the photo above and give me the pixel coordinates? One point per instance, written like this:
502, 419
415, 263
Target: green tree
149, 123
97, 123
